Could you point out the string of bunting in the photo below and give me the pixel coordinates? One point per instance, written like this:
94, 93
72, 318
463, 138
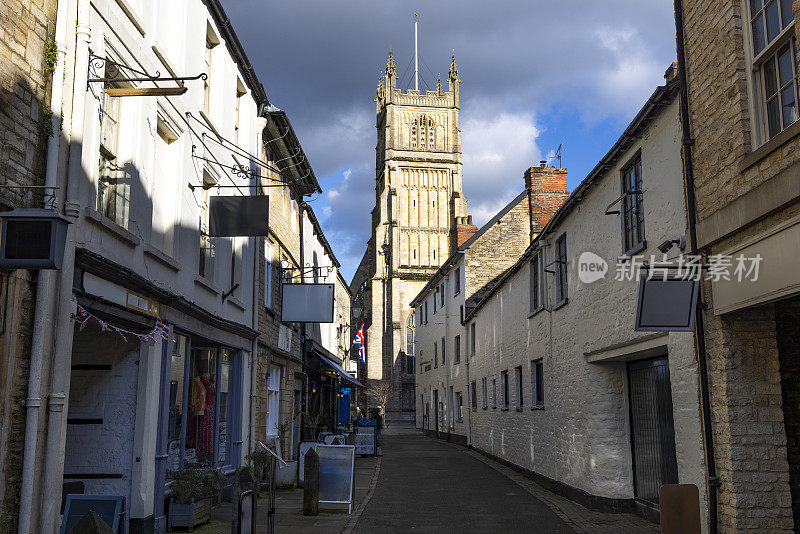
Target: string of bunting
160, 330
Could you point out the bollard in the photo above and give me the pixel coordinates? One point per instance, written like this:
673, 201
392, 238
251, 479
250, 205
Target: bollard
311, 485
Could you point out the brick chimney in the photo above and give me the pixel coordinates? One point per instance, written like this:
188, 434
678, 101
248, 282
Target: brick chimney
462, 230
671, 71
547, 190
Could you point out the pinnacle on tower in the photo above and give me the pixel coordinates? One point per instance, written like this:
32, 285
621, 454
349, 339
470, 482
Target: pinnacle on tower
380, 86
391, 70
453, 74
439, 85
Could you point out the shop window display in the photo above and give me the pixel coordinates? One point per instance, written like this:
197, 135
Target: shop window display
202, 408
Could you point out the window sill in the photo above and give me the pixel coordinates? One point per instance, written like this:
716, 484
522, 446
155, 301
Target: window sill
560, 304
161, 257
503, 409
634, 250
520, 409
206, 284
538, 407
770, 146
110, 226
535, 312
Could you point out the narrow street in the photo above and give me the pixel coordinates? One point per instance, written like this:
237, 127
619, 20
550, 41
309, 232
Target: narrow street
427, 485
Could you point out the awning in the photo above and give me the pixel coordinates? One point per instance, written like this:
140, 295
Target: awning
339, 370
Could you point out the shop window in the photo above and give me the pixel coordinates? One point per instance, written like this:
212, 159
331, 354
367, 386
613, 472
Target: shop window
202, 412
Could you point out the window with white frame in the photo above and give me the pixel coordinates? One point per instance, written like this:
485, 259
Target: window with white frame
113, 186
485, 392
240, 92
537, 383
457, 281
457, 349
207, 243
441, 294
273, 399
536, 284
518, 384
211, 42
774, 67
267, 274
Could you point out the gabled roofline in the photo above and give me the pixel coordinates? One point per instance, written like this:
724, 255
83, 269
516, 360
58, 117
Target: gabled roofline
449, 262
662, 96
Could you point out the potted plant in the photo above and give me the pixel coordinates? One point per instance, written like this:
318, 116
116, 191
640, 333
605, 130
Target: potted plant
192, 491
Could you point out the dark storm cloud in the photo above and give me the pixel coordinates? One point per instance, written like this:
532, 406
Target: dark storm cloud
320, 60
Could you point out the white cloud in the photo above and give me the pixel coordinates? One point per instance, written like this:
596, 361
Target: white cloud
496, 150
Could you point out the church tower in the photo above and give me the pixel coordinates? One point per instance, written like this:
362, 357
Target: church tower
419, 210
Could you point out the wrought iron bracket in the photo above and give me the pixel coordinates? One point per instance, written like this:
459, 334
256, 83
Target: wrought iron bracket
123, 73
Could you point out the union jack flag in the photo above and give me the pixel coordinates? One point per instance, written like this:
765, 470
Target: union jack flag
361, 344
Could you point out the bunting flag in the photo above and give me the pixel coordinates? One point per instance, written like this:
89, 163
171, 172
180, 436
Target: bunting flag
161, 330
362, 346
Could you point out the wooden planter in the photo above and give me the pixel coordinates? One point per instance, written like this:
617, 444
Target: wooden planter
189, 515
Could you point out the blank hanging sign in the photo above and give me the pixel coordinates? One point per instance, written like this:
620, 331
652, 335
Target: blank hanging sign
238, 216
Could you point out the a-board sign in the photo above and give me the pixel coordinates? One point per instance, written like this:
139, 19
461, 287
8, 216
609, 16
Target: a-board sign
365, 440
666, 305
307, 303
336, 467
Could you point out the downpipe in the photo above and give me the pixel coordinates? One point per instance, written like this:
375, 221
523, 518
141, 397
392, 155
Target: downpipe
691, 201
43, 310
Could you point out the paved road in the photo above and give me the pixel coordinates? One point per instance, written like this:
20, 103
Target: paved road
426, 485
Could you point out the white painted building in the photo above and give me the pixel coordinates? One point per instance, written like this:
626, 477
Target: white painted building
152, 322
560, 385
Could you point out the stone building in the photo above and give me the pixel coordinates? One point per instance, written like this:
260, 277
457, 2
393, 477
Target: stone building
743, 169
551, 377
439, 342
419, 205
279, 371
27, 58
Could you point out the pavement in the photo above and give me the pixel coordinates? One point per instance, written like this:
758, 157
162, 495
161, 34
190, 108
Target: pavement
289, 508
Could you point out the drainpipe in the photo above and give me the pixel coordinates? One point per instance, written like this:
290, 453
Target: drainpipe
43, 314
62, 355
713, 481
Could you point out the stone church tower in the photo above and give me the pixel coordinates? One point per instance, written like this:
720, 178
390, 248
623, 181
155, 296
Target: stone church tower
419, 214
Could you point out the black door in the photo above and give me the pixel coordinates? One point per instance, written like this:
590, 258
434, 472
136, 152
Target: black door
652, 432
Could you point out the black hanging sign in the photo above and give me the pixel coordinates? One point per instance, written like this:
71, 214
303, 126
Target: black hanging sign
238, 216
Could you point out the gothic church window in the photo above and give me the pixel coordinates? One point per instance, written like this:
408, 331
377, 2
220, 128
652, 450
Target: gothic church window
422, 133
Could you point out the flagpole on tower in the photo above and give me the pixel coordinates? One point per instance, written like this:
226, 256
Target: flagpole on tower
416, 56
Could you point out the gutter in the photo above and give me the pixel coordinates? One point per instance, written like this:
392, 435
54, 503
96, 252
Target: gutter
691, 208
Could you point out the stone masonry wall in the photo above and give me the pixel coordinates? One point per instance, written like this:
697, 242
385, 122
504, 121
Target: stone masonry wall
25, 27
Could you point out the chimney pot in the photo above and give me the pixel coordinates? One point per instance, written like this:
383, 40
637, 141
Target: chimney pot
543, 163
469, 219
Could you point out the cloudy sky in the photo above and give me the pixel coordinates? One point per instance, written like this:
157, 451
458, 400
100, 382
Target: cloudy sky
534, 74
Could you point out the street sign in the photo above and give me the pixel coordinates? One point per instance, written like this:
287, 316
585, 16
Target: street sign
231, 216
336, 468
